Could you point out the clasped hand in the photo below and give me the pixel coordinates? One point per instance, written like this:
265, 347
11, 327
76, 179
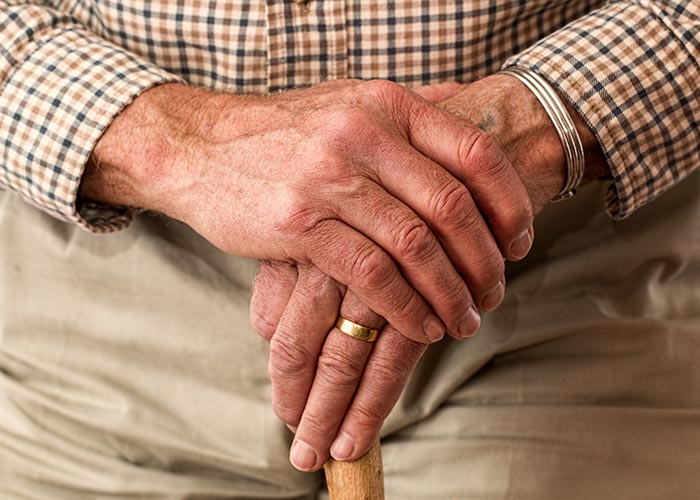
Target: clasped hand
353, 194
436, 206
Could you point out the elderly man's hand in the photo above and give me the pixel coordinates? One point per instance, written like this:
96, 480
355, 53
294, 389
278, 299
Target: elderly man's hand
360, 179
315, 370
337, 389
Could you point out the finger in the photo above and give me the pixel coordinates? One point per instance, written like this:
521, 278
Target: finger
273, 285
473, 157
387, 371
295, 346
448, 207
412, 244
340, 367
438, 91
351, 258
468, 153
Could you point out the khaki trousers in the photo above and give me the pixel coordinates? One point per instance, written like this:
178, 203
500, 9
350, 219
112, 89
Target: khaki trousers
128, 369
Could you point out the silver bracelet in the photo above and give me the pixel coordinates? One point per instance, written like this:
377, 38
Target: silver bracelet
563, 123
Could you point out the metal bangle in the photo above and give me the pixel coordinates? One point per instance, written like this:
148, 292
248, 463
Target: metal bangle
563, 123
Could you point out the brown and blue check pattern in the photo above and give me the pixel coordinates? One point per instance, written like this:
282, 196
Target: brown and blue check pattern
68, 67
632, 70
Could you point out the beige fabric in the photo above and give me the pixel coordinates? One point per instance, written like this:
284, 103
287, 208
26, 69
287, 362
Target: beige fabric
594, 390
128, 369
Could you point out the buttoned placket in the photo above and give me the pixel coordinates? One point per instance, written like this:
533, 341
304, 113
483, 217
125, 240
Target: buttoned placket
307, 42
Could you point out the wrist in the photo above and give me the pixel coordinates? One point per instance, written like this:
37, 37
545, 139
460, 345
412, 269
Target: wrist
148, 157
510, 112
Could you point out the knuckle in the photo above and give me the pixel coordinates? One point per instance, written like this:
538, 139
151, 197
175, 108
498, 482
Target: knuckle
469, 222
394, 99
339, 369
391, 370
419, 114
288, 359
383, 89
369, 416
326, 157
406, 306
354, 189
452, 202
344, 124
298, 216
312, 282
480, 154
490, 269
372, 267
415, 241
316, 424
322, 295
332, 160
387, 147
455, 296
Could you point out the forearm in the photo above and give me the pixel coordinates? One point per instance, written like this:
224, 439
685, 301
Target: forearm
144, 159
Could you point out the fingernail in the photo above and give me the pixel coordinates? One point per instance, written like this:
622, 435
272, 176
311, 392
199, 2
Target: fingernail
342, 447
434, 329
291, 428
493, 298
469, 324
521, 245
302, 456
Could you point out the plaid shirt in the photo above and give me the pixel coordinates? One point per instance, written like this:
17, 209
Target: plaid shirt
67, 67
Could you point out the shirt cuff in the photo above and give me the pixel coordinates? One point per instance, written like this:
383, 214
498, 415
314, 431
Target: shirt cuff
56, 102
625, 70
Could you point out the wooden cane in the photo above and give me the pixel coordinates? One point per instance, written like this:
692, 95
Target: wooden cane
362, 479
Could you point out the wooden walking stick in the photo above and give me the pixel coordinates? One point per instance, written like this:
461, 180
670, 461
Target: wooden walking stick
362, 479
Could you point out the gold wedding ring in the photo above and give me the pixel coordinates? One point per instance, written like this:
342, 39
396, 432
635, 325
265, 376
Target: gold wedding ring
356, 331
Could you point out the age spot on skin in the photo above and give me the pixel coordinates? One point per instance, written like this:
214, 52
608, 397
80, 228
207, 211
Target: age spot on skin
487, 124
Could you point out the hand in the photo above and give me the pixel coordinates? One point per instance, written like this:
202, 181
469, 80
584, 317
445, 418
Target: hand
504, 108
353, 387
317, 370
360, 179
335, 381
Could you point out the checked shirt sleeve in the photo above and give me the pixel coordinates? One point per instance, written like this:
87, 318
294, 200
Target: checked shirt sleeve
60, 87
632, 70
